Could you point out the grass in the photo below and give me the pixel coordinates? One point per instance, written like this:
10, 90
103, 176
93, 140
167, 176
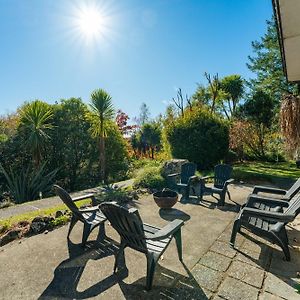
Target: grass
29, 216
266, 171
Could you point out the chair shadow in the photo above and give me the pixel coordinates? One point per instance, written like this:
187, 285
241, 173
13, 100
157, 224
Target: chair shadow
204, 202
68, 273
171, 214
167, 285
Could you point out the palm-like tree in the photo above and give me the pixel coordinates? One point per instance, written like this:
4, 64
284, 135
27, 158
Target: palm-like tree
102, 112
35, 120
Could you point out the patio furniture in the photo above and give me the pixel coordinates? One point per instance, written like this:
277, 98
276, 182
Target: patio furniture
283, 194
145, 238
222, 174
182, 181
90, 217
268, 224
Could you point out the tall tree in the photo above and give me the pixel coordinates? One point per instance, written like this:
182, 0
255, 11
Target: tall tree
71, 141
144, 114
266, 63
102, 113
259, 110
35, 122
233, 88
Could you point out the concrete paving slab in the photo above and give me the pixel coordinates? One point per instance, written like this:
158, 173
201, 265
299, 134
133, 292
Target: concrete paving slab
215, 261
281, 287
233, 289
246, 273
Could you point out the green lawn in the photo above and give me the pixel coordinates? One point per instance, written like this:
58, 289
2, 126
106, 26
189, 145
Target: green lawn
266, 171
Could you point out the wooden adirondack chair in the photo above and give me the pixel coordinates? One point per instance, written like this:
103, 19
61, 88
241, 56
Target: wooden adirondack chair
222, 174
182, 181
90, 217
145, 238
268, 223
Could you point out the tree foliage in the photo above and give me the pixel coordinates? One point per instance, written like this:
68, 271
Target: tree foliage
266, 64
200, 137
36, 123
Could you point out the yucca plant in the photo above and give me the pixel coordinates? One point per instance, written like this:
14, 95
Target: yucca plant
102, 112
25, 185
35, 121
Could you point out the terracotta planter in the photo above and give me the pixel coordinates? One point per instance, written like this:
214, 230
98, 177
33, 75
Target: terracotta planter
165, 198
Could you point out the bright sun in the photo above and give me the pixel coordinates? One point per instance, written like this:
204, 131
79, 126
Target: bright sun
90, 22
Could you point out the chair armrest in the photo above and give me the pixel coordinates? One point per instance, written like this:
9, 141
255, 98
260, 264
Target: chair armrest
83, 197
256, 198
267, 215
89, 209
207, 177
174, 174
166, 231
229, 181
192, 178
265, 189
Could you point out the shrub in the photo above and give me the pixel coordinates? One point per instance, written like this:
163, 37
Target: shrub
149, 178
200, 137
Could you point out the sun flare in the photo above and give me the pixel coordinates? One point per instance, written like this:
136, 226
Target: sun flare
90, 22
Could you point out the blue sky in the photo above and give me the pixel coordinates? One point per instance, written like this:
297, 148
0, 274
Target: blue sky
143, 51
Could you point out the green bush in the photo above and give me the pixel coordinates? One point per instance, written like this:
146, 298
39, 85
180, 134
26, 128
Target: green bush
149, 177
200, 137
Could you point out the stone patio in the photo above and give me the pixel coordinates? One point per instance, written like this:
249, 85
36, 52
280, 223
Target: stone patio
48, 267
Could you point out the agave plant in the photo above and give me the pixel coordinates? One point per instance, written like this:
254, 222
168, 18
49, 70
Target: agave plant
36, 122
26, 185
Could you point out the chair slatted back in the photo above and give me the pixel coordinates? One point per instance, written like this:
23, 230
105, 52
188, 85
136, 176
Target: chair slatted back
128, 223
294, 206
293, 190
66, 198
222, 173
187, 170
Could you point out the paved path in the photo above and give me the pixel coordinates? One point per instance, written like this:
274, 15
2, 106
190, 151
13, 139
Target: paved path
48, 202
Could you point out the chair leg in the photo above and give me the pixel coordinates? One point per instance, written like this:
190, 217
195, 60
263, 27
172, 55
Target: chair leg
222, 199
87, 228
235, 230
101, 234
151, 263
283, 245
120, 257
177, 236
187, 193
74, 220
229, 196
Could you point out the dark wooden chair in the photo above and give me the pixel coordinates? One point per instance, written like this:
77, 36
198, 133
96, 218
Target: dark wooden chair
268, 223
145, 238
90, 217
222, 174
182, 181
